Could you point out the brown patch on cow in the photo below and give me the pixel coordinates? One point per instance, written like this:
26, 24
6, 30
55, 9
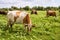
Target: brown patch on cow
26, 22
17, 15
26, 19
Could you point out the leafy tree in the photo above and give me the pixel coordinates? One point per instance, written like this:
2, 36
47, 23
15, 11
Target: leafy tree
40, 8
10, 9
14, 8
35, 7
48, 8
59, 7
26, 8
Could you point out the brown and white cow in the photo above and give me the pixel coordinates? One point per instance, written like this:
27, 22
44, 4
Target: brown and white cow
19, 17
51, 13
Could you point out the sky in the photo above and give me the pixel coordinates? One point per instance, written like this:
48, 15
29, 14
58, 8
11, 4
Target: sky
30, 3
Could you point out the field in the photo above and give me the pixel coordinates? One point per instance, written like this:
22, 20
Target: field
47, 28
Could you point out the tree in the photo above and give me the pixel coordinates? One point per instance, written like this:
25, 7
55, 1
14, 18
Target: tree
26, 8
35, 7
14, 8
59, 8
48, 8
40, 8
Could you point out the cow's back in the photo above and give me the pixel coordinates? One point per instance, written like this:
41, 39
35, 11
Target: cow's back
21, 17
16, 16
51, 13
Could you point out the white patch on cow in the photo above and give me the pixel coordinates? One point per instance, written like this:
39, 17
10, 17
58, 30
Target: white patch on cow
21, 17
10, 15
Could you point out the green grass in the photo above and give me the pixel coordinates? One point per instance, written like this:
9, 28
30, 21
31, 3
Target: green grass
47, 28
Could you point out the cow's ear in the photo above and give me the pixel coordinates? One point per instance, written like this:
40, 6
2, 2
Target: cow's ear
33, 25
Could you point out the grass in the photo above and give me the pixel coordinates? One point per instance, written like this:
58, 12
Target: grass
47, 28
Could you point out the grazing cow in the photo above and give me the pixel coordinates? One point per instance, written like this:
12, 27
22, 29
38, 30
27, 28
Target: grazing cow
3, 12
51, 13
19, 17
34, 12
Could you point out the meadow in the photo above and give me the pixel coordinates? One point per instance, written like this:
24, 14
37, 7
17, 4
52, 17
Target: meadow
47, 28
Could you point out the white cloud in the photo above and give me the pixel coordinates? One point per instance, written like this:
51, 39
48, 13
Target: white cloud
31, 3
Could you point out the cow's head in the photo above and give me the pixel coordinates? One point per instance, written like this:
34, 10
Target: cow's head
30, 26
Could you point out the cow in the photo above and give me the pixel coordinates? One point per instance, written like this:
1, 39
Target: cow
22, 17
34, 12
51, 13
3, 12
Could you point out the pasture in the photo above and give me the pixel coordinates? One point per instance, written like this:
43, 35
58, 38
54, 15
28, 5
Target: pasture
47, 28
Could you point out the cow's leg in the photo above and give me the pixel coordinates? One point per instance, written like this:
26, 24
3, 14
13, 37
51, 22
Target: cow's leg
9, 24
29, 27
11, 27
25, 26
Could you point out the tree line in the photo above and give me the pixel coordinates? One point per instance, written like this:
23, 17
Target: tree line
28, 8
